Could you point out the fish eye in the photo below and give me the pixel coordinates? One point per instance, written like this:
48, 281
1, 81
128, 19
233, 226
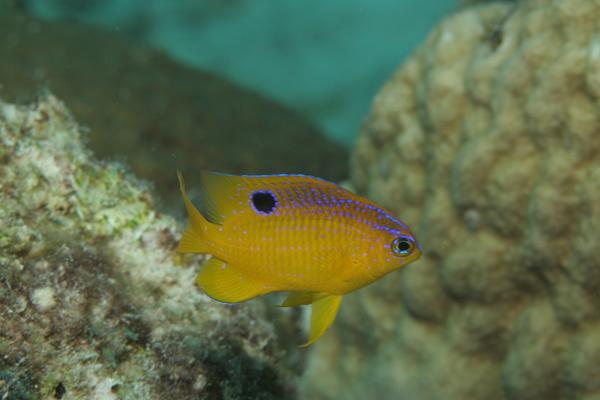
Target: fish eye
403, 246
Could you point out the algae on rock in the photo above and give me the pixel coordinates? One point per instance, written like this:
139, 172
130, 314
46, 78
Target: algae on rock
487, 140
94, 302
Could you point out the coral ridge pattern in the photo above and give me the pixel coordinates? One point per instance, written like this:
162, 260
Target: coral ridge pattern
487, 140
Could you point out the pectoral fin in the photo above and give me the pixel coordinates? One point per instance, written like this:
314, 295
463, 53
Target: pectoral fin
224, 283
323, 314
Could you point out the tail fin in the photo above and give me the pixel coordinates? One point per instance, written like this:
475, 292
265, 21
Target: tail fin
193, 239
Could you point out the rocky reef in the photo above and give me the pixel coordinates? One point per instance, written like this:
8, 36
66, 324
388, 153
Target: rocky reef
94, 302
158, 115
487, 142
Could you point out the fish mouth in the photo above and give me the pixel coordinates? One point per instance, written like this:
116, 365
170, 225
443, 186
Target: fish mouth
419, 250
414, 256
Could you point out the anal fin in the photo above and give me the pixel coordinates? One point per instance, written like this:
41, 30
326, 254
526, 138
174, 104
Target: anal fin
323, 314
224, 283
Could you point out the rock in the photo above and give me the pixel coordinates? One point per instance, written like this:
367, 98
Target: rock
486, 140
95, 304
155, 114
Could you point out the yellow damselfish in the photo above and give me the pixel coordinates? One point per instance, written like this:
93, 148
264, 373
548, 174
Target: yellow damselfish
292, 233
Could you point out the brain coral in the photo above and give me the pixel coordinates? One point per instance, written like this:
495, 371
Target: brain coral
487, 140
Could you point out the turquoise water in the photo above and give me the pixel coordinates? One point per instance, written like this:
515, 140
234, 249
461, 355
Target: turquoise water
325, 59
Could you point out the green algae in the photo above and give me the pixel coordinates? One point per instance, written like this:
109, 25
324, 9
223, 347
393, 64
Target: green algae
15, 386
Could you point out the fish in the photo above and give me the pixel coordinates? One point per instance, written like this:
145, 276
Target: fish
297, 234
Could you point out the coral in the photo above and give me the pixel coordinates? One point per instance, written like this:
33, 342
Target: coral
157, 114
95, 304
486, 141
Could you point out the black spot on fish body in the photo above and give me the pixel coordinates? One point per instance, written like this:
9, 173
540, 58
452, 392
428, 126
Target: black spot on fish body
264, 202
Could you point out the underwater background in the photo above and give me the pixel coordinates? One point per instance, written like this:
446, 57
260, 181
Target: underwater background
301, 53
476, 122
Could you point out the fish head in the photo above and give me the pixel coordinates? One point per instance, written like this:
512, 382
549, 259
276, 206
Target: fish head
395, 246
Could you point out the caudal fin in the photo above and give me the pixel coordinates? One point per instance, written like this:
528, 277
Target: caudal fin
194, 237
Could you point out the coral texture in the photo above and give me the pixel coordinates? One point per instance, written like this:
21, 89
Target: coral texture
487, 140
155, 113
94, 303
